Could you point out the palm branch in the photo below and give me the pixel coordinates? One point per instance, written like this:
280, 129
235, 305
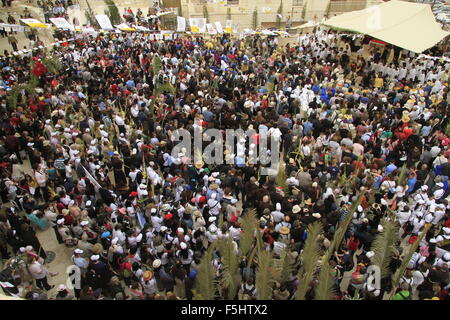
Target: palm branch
248, 224
280, 179
230, 261
250, 261
406, 259
402, 176
325, 290
264, 272
220, 222
342, 229
310, 256
284, 266
205, 283
383, 246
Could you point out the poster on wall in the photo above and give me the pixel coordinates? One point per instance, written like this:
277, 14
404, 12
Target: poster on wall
181, 24
202, 25
193, 22
62, 23
210, 29
218, 26
229, 26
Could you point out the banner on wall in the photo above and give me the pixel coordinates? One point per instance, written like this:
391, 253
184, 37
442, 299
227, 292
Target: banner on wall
62, 23
210, 29
229, 26
218, 26
34, 23
104, 22
11, 27
202, 25
181, 24
193, 22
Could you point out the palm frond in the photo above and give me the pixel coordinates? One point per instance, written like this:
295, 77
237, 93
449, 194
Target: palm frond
230, 261
383, 246
264, 275
407, 258
284, 266
280, 179
325, 290
310, 256
342, 229
250, 261
205, 283
248, 224
220, 222
311, 253
402, 176
157, 64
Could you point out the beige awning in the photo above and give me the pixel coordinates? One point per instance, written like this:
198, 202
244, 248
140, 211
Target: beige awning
408, 25
309, 24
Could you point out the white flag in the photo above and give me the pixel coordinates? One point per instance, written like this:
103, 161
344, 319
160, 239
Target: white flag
181, 24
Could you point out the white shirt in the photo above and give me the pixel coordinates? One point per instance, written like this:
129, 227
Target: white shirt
41, 179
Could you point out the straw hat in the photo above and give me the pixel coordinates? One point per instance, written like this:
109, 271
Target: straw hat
197, 213
214, 186
308, 202
199, 164
97, 248
284, 230
148, 275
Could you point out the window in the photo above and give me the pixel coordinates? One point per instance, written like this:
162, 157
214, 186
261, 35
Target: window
297, 3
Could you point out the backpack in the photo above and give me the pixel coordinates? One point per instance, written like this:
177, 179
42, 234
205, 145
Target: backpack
404, 297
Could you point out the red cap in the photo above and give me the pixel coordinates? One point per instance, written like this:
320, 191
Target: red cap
202, 199
168, 216
134, 194
193, 200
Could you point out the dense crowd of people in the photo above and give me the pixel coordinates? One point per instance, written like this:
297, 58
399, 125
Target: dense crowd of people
104, 178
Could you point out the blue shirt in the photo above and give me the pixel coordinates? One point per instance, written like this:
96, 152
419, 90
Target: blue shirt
391, 168
411, 184
378, 182
307, 127
130, 83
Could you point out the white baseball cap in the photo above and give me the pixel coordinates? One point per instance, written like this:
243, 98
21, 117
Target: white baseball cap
95, 257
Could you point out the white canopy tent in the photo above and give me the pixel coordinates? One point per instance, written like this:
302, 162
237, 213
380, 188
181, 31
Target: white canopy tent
408, 25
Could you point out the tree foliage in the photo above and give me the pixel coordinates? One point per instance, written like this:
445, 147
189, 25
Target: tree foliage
255, 19
112, 12
280, 12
